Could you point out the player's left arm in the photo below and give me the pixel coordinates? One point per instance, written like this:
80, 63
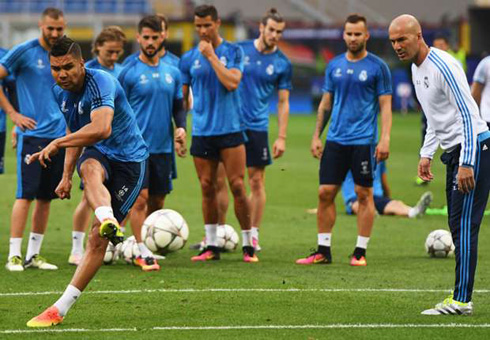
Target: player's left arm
383, 147
98, 129
229, 77
279, 145
385, 185
476, 91
71, 156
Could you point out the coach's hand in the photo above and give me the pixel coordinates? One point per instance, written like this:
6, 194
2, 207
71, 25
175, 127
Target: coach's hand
45, 154
316, 147
466, 179
206, 48
22, 121
64, 188
279, 147
382, 150
424, 169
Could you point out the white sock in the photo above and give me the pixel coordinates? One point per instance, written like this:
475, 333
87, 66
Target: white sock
68, 298
145, 252
34, 245
77, 238
255, 233
324, 239
247, 238
211, 237
104, 213
362, 242
15, 247
412, 213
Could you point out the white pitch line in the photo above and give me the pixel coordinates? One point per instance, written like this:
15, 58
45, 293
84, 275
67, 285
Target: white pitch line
251, 327
246, 290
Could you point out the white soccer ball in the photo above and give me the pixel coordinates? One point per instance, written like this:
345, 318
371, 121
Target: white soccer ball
129, 250
227, 238
439, 243
165, 231
112, 253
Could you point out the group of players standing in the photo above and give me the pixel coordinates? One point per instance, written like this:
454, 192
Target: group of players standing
119, 136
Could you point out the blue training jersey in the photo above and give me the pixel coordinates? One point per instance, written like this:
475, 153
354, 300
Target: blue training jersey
29, 64
216, 110
125, 144
356, 87
151, 91
3, 120
262, 74
94, 64
168, 58
349, 193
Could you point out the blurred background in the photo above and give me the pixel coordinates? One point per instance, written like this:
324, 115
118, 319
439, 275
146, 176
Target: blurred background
313, 35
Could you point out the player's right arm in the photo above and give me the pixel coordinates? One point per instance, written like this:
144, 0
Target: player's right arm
426, 154
323, 116
18, 119
229, 77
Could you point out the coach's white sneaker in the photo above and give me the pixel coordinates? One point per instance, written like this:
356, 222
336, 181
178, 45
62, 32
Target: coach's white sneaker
14, 264
75, 259
39, 262
450, 307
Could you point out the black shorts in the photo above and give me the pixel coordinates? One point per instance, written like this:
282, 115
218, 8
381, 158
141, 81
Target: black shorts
257, 147
338, 159
209, 147
158, 179
34, 181
380, 203
124, 180
2, 151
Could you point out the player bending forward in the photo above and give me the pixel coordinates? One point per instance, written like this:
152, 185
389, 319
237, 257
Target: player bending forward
112, 166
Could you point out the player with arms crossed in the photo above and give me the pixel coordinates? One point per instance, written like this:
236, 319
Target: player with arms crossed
154, 91
38, 123
112, 165
214, 69
454, 123
107, 48
357, 87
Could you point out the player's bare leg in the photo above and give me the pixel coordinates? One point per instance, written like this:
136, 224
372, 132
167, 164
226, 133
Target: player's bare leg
81, 222
234, 163
207, 171
365, 221
18, 220
397, 208
222, 193
155, 202
256, 179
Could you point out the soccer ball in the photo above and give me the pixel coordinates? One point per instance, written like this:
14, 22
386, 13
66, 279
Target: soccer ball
129, 250
227, 238
165, 231
112, 253
439, 243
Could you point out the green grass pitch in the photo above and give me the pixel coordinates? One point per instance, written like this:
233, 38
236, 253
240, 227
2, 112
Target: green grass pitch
274, 299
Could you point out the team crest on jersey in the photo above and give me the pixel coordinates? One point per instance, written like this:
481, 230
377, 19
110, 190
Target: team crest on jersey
223, 60
246, 61
143, 79
168, 78
337, 73
197, 64
40, 64
426, 82
270, 70
363, 75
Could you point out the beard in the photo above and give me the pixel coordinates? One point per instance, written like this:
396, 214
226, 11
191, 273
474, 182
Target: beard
355, 50
46, 40
148, 54
267, 46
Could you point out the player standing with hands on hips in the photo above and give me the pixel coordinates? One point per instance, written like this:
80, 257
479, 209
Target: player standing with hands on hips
455, 124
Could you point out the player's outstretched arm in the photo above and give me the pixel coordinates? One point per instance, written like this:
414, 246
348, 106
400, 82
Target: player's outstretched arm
279, 146
229, 78
322, 118
383, 147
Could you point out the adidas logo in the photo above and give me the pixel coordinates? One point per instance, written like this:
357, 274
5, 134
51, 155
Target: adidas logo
485, 147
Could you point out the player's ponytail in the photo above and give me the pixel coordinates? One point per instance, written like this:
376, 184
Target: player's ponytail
272, 14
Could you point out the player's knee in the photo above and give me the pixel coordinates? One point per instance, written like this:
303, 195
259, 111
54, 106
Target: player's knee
95, 243
140, 204
256, 184
208, 187
364, 196
326, 194
237, 187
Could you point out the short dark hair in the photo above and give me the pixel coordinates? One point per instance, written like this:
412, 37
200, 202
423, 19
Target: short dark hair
153, 22
272, 14
52, 12
66, 46
164, 20
441, 36
206, 10
355, 18
110, 33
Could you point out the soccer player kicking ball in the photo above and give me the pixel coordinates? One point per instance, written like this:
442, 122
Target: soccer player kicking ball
112, 165
213, 70
357, 87
154, 91
455, 123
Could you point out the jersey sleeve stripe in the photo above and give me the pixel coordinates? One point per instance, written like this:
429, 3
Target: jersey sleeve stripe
94, 90
17, 54
468, 128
